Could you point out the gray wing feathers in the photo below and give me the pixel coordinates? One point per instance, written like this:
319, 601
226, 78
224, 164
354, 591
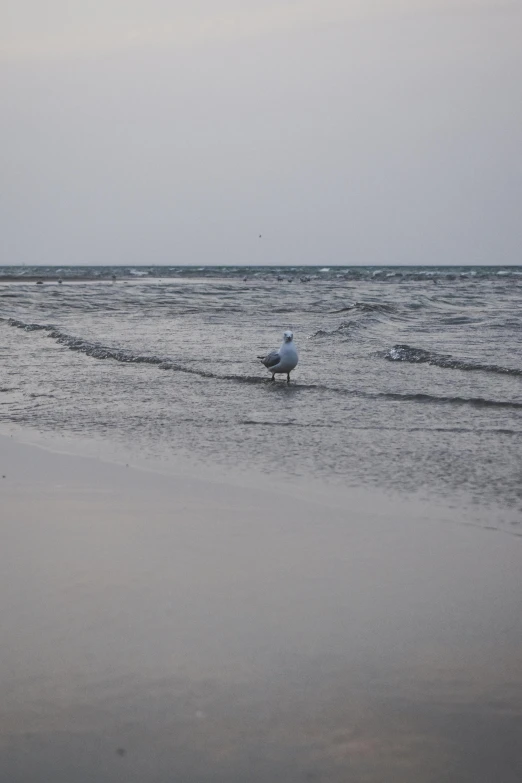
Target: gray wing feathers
271, 360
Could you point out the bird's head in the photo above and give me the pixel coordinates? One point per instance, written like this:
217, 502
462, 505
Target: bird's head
288, 336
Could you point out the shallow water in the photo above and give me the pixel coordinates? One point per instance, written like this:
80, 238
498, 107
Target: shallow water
409, 379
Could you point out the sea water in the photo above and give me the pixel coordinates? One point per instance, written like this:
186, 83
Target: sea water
409, 379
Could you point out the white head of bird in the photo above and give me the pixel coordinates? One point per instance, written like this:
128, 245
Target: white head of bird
288, 336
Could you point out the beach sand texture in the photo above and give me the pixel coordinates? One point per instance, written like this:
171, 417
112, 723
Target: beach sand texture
182, 628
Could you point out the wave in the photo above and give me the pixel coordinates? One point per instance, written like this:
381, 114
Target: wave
479, 402
99, 351
364, 315
343, 327
28, 327
96, 350
300, 424
368, 307
417, 397
411, 355
381, 428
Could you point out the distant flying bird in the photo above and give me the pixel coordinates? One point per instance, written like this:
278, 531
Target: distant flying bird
284, 360
259, 236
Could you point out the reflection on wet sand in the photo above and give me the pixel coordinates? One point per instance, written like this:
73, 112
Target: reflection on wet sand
159, 629
324, 727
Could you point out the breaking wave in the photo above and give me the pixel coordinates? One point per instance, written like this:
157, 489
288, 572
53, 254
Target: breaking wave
99, 351
405, 353
411, 355
478, 402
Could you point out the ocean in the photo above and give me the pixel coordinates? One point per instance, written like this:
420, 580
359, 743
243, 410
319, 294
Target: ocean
409, 379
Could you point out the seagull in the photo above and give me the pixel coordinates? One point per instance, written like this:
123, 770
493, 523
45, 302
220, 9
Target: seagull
284, 360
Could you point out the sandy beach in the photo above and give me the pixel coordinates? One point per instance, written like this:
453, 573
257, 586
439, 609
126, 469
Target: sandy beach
161, 627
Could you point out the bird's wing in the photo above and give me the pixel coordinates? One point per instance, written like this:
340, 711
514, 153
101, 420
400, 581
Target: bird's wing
271, 360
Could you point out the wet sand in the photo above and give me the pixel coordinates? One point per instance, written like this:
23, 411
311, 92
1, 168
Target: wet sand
159, 628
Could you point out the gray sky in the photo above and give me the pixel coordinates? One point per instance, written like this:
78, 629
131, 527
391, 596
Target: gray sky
371, 132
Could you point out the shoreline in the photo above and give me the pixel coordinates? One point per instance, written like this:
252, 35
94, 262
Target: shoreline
177, 626
408, 505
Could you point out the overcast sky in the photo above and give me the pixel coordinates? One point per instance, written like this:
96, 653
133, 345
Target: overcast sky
167, 132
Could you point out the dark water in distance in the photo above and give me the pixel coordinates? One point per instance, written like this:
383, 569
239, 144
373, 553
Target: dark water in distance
288, 273
409, 378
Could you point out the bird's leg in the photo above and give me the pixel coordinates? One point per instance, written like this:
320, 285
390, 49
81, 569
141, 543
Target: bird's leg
288, 377
273, 379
